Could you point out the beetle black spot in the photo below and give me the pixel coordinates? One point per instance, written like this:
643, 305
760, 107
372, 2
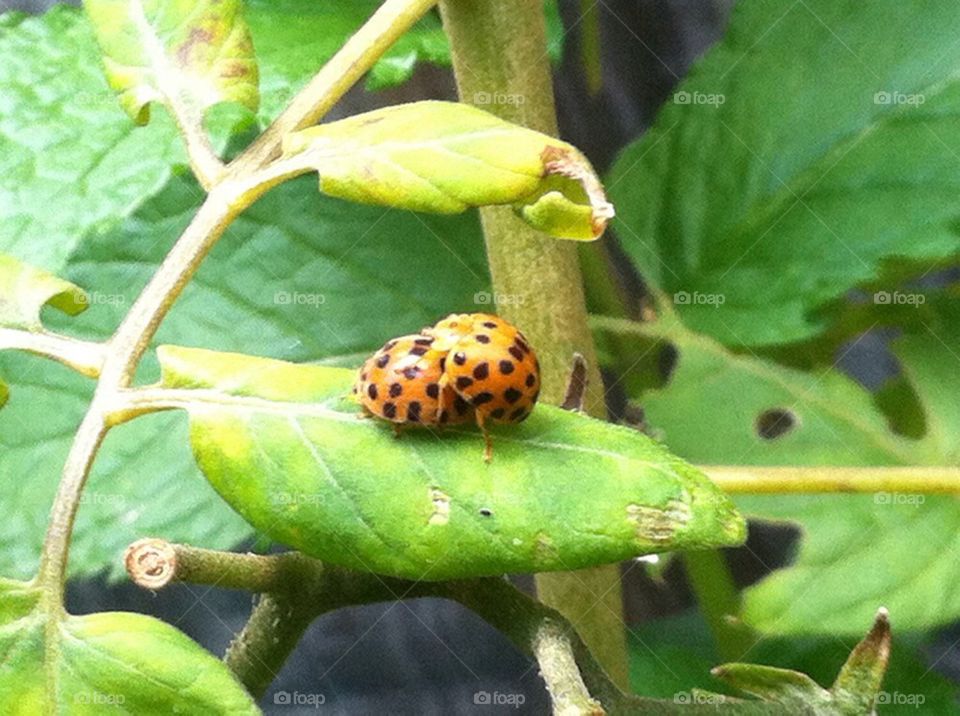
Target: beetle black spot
482, 398
461, 405
413, 411
433, 390
444, 416
521, 344
506, 367
482, 338
395, 390
498, 413
489, 324
518, 415
443, 364
383, 360
531, 379
417, 350
512, 395
516, 352
372, 391
460, 358
410, 373
463, 382
423, 341
363, 376
389, 410
389, 345
481, 371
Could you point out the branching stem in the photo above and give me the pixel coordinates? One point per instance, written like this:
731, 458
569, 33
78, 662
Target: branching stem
85, 358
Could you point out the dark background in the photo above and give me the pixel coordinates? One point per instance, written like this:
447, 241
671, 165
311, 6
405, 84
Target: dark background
430, 656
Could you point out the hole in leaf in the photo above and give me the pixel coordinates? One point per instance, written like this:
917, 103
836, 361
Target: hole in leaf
486, 512
775, 423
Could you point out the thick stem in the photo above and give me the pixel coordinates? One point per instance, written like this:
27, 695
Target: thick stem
352, 61
85, 358
499, 51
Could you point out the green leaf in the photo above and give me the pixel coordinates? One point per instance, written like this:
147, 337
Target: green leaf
186, 54
109, 661
760, 195
285, 445
301, 276
24, 290
858, 683
444, 157
723, 408
790, 688
64, 143
294, 38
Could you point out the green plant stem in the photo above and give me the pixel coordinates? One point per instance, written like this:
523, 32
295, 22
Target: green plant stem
499, 50
711, 580
783, 480
391, 20
85, 358
292, 579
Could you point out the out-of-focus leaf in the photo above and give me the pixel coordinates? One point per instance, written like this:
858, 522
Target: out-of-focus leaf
722, 408
796, 691
760, 194
285, 445
301, 276
105, 662
70, 161
187, 54
24, 290
672, 657
444, 157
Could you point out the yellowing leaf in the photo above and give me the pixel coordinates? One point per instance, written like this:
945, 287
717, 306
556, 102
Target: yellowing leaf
190, 55
444, 157
24, 290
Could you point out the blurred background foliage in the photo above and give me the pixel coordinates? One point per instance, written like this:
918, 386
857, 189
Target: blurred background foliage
775, 174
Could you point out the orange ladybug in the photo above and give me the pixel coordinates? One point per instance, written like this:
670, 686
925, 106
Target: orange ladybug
469, 366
